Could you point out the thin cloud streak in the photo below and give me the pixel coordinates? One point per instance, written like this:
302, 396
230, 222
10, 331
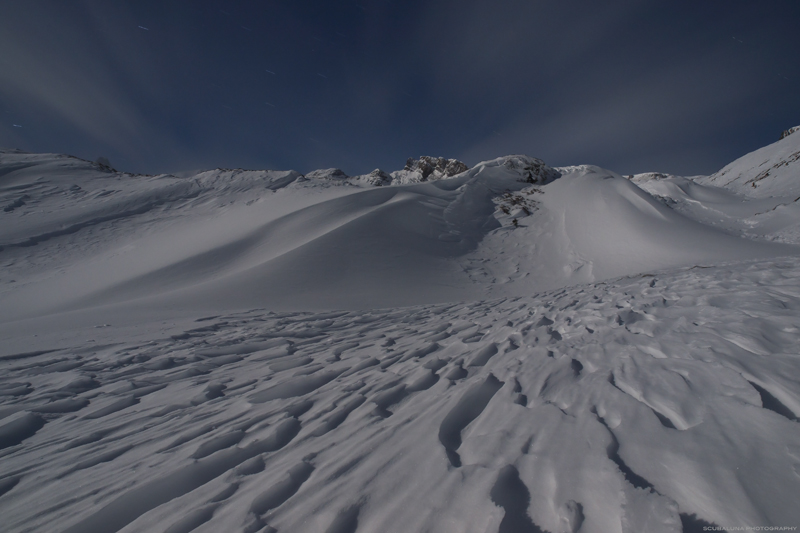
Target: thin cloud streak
639, 119
73, 84
627, 85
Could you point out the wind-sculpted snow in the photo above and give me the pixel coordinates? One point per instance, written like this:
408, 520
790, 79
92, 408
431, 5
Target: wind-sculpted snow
662, 402
468, 408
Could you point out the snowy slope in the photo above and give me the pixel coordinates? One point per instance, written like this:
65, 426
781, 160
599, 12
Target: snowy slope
756, 196
773, 218
592, 225
511, 349
236, 239
773, 170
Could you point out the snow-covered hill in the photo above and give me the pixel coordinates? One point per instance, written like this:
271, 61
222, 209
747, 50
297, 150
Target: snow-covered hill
85, 238
757, 196
769, 171
513, 348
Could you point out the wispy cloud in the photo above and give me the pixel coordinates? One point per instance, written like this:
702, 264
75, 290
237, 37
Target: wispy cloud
62, 63
628, 85
649, 118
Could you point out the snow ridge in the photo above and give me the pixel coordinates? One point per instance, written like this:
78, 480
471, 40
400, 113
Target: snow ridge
769, 171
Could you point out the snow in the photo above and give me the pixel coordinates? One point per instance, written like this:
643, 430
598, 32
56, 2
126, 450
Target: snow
515, 348
769, 171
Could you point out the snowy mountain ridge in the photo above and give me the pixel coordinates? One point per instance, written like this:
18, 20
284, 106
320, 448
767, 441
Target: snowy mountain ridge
428, 168
481, 233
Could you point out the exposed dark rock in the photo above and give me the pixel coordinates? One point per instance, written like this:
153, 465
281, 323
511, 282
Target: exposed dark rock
327, 174
104, 164
533, 170
432, 168
789, 132
378, 178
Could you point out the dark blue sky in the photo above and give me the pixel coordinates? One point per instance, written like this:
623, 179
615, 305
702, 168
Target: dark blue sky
168, 85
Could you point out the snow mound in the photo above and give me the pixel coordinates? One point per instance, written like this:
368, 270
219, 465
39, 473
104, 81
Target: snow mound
773, 170
592, 224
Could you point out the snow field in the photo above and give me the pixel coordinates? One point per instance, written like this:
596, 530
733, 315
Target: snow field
656, 403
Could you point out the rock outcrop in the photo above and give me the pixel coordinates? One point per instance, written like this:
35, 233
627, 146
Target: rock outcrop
327, 174
377, 178
531, 169
789, 132
425, 168
435, 168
